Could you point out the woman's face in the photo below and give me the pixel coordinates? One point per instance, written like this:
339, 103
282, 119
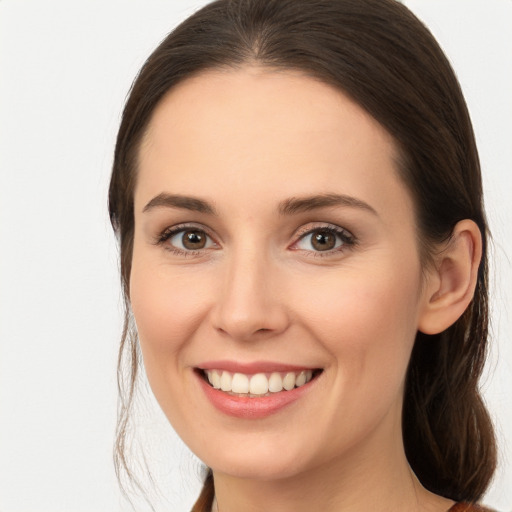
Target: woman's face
274, 237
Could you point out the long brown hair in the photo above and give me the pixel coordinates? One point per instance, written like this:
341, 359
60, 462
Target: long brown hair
384, 58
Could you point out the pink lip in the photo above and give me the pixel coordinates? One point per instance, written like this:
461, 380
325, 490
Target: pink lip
252, 368
251, 408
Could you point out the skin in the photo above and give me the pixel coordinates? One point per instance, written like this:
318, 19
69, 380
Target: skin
245, 141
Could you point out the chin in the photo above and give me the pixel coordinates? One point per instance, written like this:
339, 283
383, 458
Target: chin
264, 471
256, 464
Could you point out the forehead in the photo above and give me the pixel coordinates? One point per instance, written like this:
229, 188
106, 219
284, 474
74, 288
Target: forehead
269, 132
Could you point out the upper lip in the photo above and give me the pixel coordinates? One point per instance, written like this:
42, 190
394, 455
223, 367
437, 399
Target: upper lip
253, 367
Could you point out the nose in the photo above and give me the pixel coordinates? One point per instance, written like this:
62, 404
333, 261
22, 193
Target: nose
251, 302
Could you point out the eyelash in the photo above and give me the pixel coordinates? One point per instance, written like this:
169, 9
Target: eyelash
168, 233
347, 239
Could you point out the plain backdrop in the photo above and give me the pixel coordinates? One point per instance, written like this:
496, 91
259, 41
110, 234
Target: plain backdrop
65, 69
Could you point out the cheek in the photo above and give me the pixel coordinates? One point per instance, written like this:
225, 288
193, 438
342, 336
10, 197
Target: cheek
367, 321
168, 308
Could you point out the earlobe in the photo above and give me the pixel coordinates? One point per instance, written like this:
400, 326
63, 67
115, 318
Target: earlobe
451, 284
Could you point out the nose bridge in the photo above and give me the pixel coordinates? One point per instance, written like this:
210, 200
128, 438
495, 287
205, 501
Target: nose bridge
249, 302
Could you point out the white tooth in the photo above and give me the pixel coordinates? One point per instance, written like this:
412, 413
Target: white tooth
209, 375
240, 383
275, 383
301, 379
289, 381
225, 381
309, 375
215, 379
258, 384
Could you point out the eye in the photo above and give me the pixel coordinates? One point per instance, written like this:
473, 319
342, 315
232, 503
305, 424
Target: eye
325, 239
190, 240
183, 239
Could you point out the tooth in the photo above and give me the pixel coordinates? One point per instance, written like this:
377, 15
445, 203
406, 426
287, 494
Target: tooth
275, 383
301, 379
258, 384
240, 383
225, 381
216, 379
289, 381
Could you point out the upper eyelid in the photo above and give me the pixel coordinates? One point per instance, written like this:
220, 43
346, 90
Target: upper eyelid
176, 228
170, 231
303, 230
299, 233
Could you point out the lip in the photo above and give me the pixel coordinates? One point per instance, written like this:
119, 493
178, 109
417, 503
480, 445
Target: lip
253, 367
252, 407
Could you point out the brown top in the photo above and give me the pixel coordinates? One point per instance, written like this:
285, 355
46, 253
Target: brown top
468, 507
458, 507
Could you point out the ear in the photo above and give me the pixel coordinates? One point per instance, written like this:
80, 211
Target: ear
451, 283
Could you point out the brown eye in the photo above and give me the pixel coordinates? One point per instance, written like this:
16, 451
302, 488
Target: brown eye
190, 239
323, 240
193, 240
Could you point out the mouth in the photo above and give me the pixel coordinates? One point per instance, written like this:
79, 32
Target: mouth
257, 385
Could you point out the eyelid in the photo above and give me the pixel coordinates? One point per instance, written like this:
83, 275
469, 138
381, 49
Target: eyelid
163, 236
315, 226
348, 239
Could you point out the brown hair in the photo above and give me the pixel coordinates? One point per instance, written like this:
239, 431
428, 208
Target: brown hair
383, 57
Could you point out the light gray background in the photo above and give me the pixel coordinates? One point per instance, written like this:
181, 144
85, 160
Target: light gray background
65, 69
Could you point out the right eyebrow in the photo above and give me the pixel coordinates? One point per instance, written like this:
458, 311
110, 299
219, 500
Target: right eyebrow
194, 204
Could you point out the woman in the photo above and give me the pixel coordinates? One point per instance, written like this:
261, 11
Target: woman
297, 195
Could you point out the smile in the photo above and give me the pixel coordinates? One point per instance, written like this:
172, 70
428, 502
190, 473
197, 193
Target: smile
259, 384
251, 392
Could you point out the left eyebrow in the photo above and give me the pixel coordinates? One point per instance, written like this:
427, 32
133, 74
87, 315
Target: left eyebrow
296, 205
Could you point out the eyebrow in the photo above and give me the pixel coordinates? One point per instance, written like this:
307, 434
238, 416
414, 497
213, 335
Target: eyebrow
304, 204
290, 206
178, 201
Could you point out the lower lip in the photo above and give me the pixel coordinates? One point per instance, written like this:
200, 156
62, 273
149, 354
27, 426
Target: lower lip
252, 408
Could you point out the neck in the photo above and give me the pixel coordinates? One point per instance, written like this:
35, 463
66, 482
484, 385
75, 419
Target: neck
369, 478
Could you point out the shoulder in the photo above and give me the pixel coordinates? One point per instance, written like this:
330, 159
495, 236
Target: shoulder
469, 507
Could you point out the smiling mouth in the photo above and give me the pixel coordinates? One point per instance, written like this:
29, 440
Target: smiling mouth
259, 384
